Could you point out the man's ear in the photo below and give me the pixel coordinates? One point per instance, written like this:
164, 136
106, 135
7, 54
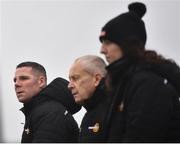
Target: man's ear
42, 81
98, 78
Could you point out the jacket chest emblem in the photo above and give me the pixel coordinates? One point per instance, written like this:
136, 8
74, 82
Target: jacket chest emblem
94, 128
121, 106
27, 131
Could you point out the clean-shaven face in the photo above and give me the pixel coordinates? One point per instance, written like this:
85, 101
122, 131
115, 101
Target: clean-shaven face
27, 84
111, 51
82, 84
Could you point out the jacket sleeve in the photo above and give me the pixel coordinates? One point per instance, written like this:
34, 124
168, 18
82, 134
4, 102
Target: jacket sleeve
149, 110
54, 127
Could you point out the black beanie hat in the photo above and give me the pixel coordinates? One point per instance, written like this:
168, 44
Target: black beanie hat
126, 26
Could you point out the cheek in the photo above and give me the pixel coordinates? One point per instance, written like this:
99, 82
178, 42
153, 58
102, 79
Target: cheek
116, 53
32, 87
31, 84
87, 82
87, 88
81, 86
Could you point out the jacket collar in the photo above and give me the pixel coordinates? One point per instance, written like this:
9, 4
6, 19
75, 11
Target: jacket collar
58, 91
98, 96
119, 69
34, 102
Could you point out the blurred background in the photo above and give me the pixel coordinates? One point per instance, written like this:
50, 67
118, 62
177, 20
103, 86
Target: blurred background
56, 32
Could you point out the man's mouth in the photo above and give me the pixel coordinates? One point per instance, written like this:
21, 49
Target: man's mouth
75, 94
19, 92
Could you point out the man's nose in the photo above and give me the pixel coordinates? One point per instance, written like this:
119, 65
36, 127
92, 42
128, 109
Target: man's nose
17, 83
70, 85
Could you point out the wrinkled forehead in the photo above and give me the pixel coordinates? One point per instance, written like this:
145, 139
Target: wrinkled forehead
78, 68
75, 67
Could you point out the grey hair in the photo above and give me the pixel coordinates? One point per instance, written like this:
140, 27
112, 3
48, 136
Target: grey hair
93, 64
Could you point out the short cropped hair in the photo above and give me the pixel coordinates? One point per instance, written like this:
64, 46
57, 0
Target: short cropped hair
35, 66
93, 64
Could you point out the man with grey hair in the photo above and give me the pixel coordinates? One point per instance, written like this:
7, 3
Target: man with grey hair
86, 77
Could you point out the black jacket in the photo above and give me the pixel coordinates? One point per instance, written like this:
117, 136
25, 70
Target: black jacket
48, 116
145, 104
92, 127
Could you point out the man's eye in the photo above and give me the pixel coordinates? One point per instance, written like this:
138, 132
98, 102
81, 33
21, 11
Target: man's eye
24, 78
107, 42
75, 78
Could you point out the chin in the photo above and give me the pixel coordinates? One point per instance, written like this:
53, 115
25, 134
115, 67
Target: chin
21, 101
79, 102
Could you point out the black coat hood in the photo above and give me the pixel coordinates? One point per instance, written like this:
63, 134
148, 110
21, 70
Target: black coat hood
58, 90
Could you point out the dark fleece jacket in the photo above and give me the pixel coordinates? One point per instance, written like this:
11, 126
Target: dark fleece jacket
48, 116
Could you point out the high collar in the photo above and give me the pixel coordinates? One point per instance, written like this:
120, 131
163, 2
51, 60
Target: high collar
118, 65
57, 90
119, 69
98, 96
34, 102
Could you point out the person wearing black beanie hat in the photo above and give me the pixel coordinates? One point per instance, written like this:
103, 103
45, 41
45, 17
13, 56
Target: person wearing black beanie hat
126, 25
143, 85
125, 28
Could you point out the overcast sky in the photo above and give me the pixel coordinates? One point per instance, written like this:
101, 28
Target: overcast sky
55, 32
